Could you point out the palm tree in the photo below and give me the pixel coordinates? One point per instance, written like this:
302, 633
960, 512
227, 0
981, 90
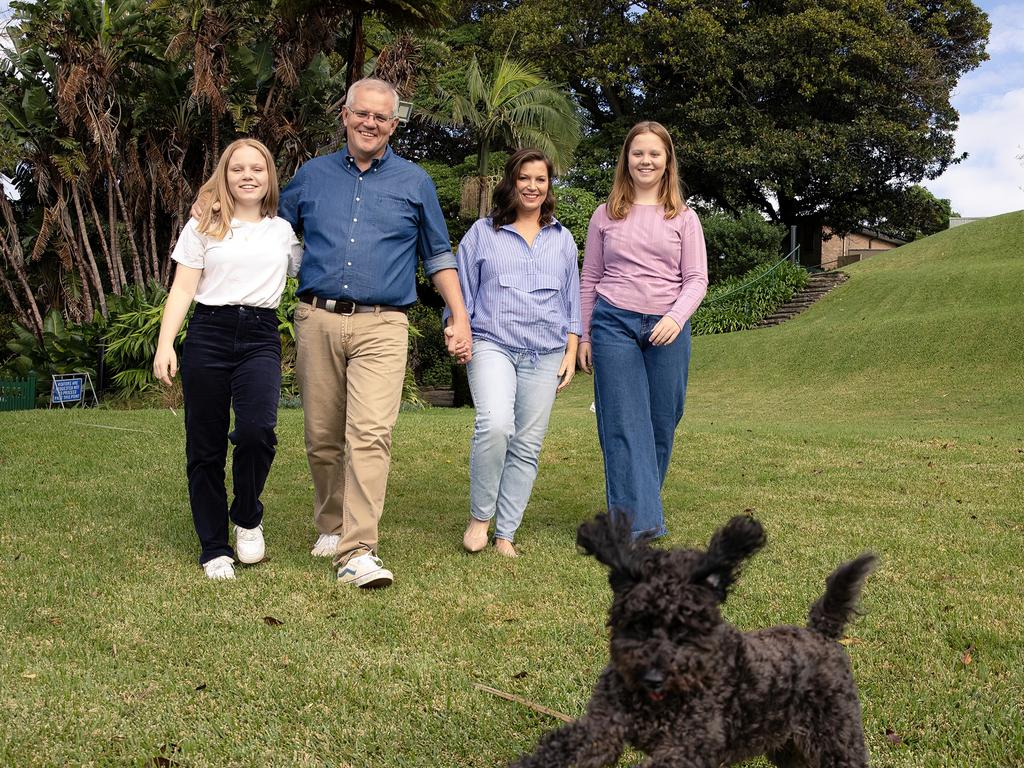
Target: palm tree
514, 104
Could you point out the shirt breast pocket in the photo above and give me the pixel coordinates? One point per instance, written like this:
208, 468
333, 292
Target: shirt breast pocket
533, 297
391, 206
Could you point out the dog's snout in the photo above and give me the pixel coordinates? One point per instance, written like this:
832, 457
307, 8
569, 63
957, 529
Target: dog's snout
653, 679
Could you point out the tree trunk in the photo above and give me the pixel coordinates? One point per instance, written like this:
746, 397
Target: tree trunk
140, 278
356, 58
11, 247
152, 233
116, 278
94, 270
115, 241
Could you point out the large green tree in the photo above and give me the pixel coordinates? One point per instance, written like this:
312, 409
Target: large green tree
807, 110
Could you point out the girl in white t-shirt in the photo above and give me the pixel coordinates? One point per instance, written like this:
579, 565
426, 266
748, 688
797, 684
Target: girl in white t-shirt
233, 262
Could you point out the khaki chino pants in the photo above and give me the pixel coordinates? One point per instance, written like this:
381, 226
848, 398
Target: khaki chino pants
350, 369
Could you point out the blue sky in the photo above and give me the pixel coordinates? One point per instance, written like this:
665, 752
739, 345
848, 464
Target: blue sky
991, 104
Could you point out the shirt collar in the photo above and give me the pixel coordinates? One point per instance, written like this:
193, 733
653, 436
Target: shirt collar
555, 223
350, 162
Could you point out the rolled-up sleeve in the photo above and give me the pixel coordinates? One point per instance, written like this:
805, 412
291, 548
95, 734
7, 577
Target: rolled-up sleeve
433, 245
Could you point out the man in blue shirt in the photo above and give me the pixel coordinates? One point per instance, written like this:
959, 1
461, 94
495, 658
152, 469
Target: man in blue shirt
366, 216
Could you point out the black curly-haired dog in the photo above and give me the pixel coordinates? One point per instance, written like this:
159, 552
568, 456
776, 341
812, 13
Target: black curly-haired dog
689, 689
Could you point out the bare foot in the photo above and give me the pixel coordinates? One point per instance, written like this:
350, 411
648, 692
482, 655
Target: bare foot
504, 547
475, 537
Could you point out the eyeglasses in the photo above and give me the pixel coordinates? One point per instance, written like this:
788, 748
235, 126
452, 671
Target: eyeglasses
362, 114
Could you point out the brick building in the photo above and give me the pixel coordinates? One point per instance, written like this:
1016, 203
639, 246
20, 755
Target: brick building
838, 251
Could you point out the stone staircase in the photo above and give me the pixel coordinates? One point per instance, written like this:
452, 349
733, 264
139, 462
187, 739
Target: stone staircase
820, 283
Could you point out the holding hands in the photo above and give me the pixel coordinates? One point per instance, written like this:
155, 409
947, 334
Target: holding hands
459, 340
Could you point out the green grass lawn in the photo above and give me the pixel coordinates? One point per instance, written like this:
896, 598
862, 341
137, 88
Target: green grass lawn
886, 417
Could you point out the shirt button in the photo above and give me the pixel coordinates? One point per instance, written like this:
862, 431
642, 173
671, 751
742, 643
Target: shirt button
349, 263
357, 199
355, 220
353, 239
344, 286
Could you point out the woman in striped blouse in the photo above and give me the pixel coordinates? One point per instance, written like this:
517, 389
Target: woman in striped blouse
519, 275
644, 273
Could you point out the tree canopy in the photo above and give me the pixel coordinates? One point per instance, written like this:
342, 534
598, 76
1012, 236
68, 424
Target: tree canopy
807, 110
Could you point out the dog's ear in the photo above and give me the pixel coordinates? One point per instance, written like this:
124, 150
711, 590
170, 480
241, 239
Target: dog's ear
608, 540
731, 544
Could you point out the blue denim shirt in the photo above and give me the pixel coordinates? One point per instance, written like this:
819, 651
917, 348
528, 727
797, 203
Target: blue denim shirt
364, 230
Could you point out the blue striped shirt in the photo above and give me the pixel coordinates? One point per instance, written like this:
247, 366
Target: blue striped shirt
523, 297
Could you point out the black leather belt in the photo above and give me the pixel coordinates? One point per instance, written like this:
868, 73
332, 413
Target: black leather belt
343, 307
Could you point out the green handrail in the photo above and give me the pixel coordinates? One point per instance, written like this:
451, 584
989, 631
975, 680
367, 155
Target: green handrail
788, 257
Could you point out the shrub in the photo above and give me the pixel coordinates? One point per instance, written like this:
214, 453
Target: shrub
574, 209
738, 244
428, 354
132, 332
64, 349
743, 302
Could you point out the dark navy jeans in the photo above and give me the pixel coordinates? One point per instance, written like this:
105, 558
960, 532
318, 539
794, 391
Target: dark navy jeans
639, 392
231, 359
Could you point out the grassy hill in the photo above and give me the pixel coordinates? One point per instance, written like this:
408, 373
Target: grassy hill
918, 335
886, 417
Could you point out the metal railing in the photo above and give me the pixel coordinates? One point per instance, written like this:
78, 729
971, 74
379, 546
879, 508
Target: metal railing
793, 256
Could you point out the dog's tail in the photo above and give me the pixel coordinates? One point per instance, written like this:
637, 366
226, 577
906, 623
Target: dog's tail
842, 589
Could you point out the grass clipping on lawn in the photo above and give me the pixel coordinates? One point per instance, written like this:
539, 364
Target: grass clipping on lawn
886, 417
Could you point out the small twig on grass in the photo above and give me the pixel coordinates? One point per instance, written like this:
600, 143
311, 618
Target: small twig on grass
525, 702
172, 410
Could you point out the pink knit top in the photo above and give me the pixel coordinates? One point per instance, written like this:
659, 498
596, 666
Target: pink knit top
644, 263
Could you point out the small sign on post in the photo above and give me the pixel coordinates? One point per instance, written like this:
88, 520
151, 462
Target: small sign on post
72, 389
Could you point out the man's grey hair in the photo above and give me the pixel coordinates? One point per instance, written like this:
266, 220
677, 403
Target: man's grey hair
372, 84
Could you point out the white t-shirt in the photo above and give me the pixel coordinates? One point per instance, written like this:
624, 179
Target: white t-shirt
247, 267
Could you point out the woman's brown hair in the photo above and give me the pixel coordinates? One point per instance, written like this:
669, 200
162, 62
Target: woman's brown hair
506, 198
216, 219
623, 193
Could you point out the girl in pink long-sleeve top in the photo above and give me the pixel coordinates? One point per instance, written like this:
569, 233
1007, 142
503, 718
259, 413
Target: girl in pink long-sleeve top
644, 273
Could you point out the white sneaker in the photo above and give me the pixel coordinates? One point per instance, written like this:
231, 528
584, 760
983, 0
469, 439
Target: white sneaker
326, 545
249, 544
220, 568
365, 571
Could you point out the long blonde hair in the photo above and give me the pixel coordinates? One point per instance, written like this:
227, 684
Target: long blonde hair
217, 223
623, 194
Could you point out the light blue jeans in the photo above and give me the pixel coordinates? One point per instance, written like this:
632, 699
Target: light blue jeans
513, 393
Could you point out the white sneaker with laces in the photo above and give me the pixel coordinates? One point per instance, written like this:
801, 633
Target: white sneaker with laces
365, 571
326, 545
249, 544
220, 568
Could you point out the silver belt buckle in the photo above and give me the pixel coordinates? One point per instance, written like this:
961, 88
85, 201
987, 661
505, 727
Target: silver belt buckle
329, 304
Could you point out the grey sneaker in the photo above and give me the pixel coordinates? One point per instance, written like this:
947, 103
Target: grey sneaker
249, 544
365, 571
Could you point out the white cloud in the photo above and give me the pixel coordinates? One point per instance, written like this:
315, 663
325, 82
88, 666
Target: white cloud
1007, 34
991, 104
990, 180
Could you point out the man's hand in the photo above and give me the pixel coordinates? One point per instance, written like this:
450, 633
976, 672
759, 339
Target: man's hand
459, 340
196, 211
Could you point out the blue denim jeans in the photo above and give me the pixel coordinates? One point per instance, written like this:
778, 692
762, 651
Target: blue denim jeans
639, 392
513, 393
231, 359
